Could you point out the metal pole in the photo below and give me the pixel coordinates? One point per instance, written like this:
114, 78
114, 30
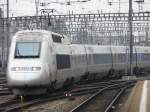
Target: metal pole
119, 6
3, 47
7, 33
131, 37
37, 7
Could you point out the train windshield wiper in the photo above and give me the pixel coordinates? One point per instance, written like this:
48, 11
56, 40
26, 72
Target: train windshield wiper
18, 53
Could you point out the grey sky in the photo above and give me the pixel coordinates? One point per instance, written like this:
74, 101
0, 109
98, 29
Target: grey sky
27, 7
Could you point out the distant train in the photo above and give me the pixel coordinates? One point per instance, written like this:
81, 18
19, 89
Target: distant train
41, 60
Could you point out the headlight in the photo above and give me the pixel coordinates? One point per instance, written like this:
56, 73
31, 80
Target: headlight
14, 68
36, 68
17, 68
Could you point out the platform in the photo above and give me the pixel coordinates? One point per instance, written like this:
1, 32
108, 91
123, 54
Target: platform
139, 99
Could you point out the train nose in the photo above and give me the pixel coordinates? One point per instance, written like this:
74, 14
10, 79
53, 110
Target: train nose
24, 79
33, 76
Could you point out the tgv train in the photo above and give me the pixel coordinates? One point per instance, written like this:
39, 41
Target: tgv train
40, 60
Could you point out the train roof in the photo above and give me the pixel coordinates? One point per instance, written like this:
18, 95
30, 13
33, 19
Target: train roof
64, 39
33, 31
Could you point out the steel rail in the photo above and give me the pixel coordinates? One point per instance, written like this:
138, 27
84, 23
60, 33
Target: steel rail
8, 102
60, 95
78, 92
2, 93
116, 98
48, 98
77, 108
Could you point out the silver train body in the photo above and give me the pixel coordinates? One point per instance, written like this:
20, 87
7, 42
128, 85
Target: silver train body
39, 60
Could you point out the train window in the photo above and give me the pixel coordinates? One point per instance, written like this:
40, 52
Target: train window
145, 56
27, 50
102, 58
63, 61
138, 56
56, 38
121, 58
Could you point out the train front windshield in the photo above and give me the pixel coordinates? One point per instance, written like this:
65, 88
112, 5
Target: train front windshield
27, 49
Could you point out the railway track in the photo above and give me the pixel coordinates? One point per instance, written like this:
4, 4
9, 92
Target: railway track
116, 98
15, 105
2, 80
2, 75
10, 101
113, 92
7, 92
3, 87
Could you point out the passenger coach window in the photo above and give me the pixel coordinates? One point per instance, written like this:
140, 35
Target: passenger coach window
63, 61
56, 38
27, 50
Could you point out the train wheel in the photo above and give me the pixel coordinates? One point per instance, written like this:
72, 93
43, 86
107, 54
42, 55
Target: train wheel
120, 73
94, 77
111, 73
52, 87
136, 70
66, 83
72, 81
